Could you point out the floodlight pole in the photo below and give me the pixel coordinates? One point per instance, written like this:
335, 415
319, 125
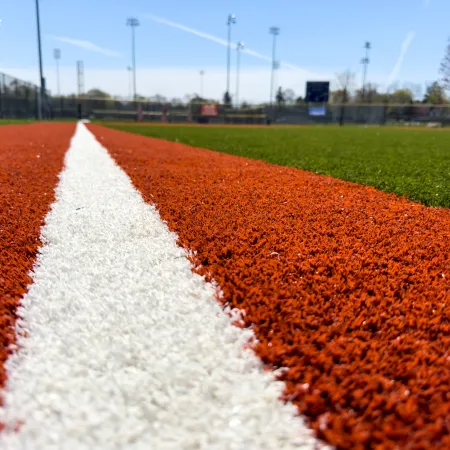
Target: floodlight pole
274, 31
231, 21
42, 81
365, 62
133, 23
57, 56
130, 82
239, 47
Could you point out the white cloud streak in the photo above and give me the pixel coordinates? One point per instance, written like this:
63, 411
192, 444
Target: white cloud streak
86, 45
223, 42
403, 51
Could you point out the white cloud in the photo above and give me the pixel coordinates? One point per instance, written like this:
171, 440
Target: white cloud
86, 45
398, 64
223, 42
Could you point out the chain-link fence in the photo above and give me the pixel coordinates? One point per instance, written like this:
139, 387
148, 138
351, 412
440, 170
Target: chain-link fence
280, 114
20, 100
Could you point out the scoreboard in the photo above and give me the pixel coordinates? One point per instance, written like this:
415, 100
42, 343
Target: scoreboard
317, 91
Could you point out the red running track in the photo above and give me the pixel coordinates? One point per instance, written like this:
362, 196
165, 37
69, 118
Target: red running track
31, 157
344, 285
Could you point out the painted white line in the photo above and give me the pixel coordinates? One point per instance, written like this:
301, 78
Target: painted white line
126, 347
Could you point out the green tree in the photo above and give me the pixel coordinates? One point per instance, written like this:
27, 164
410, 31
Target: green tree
369, 95
158, 99
289, 96
346, 80
401, 97
97, 93
227, 99
435, 94
279, 98
339, 96
445, 68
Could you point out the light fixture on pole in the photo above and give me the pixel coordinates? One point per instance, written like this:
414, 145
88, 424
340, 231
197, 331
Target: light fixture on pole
231, 21
274, 31
41, 74
133, 23
57, 56
202, 72
239, 47
365, 62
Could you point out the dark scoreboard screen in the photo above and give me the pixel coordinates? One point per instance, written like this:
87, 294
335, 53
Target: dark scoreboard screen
317, 91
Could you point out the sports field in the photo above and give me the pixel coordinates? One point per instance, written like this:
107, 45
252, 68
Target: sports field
414, 163
161, 295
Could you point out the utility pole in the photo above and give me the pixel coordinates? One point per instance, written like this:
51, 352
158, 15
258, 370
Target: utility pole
80, 78
365, 62
274, 31
133, 23
231, 21
41, 75
239, 47
57, 56
202, 72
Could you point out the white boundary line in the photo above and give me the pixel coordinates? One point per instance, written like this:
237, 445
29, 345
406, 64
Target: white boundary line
126, 347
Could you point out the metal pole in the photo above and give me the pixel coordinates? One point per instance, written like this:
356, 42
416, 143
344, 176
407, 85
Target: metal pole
231, 20
365, 62
134, 63
42, 81
133, 23
57, 56
237, 77
57, 78
228, 57
130, 82
275, 31
239, 47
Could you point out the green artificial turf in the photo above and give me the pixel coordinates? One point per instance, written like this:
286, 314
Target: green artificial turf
414, 163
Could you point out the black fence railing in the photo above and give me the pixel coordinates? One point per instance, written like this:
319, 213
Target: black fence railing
19, 99
108, 109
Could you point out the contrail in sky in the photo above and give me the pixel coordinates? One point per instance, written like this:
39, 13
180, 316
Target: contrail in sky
220, 41
398, 64
86, 45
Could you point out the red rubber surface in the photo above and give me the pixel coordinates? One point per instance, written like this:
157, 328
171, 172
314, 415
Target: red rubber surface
31, 157
346, 286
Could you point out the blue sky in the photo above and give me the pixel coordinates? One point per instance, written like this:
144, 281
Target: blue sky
318, 38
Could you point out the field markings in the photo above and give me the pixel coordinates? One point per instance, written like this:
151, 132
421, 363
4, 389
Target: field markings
122, 346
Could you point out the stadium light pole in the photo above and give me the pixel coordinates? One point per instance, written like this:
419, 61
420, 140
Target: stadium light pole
365, 62
42, 81
231, 21
130, 82
133, 23
274, 31
239, 47
202, 72
57, 56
